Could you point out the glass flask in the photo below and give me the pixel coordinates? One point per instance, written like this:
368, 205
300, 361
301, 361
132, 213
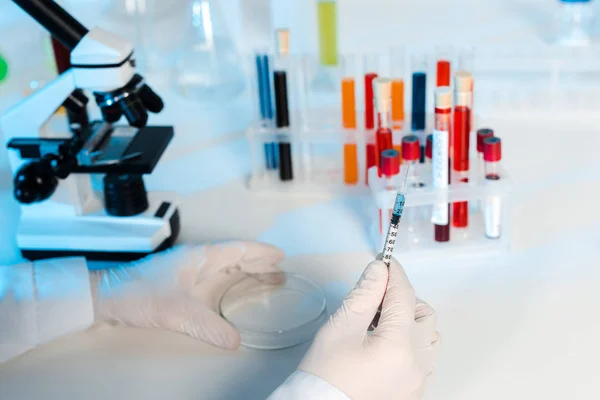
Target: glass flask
207, 66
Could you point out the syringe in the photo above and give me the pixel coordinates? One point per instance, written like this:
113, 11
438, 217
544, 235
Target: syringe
392, 235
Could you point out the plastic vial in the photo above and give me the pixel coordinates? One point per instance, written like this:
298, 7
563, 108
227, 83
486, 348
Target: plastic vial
397, 61
482, 134
419, 90
326, 10
411, 154
429, 149
441, 165
349, 120
382, 88
460, 142
369, 118
574, 22
208, 67
492, 209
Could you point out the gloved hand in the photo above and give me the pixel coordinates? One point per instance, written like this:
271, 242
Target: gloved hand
179, 289
391, 363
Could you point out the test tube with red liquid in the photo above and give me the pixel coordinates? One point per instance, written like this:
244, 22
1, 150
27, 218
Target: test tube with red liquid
429, 149
369, 116
382, 88
440, 215
482, 134
411, 154
492, 209
460, 142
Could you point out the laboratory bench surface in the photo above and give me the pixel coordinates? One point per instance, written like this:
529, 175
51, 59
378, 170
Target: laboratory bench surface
521, 326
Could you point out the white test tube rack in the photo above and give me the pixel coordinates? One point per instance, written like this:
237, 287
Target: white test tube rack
416, 233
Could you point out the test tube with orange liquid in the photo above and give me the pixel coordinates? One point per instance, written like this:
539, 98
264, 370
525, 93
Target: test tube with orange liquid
348, 86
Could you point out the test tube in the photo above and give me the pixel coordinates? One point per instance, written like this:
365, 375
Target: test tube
283, 121
429, 149
492, 210
419, 93
397, 60
370, 67
411, 153
460, 142
282, 114
443, 67
482, 134
383, 104
349, 121
327, 20
441, 162
263, 75
390, 168
466, 62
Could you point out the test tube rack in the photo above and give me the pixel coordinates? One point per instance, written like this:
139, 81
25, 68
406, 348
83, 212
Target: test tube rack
416, 231
317, 159
317, 138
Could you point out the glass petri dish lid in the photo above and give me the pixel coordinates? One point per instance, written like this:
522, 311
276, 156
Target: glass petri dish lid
279, 311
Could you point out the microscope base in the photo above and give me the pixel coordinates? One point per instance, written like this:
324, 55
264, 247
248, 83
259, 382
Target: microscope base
100, 236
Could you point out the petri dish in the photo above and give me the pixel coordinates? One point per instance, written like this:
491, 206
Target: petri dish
272, 315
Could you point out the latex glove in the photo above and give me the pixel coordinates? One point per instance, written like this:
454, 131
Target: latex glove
180, 289
392, 362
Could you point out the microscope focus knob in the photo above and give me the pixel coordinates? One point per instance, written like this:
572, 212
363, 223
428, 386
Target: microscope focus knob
35, 182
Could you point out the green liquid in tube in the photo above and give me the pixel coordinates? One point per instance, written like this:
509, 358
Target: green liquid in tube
327, 32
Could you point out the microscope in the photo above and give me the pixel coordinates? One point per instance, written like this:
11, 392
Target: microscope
64, 211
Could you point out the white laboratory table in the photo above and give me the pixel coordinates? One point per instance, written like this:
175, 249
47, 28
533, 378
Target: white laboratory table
522, 326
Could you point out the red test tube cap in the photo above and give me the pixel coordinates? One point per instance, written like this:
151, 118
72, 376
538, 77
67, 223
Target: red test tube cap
443, 73
429, 146
411, 149
492, 149
482, 134
390, 162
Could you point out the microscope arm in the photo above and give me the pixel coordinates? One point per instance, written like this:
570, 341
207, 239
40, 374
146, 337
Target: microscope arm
25, 119
56, 20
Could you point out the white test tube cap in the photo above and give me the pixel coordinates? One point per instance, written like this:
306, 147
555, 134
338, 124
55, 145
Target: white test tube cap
382, 88
443, 97
463, 81
463, 99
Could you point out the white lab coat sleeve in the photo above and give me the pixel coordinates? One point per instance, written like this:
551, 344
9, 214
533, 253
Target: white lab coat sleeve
305, 386
42, 301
